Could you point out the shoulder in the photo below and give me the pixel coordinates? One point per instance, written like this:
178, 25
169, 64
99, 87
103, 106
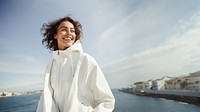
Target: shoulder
49, 65
88, 58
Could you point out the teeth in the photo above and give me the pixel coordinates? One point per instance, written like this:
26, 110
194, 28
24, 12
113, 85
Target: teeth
67, 38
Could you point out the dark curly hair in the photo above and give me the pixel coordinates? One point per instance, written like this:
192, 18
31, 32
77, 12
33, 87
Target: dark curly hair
50, 29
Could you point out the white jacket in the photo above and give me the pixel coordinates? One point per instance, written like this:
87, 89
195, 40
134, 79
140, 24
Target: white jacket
75, 83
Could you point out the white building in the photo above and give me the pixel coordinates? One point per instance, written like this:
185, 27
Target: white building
1, 94
193, 82
159, 84
139, 86
8, 93
169, 84
148, 85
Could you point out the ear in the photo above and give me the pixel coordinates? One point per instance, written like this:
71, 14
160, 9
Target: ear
55, 36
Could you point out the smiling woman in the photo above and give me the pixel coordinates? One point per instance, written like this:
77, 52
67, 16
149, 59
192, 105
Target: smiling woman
125, 37
74, 82
65, 35
57, 32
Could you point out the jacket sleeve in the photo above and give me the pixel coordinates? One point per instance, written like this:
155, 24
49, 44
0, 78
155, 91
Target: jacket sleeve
103, 97
46, 102
40, 104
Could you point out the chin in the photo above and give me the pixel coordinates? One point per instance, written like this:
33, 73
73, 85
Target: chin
68, 45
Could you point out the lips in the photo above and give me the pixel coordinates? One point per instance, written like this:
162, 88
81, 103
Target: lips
67, 38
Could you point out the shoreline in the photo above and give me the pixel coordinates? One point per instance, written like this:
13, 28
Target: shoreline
180, 98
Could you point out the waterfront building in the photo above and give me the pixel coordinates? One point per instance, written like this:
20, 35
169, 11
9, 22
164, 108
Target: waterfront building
7, 94
159, 84
132, 87
139, 86
192, 82
177, 82
1, 94
148, 85
169, 84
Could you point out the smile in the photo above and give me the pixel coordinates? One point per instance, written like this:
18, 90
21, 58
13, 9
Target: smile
67, 39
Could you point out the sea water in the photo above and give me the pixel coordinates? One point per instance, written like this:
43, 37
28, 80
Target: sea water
124, 103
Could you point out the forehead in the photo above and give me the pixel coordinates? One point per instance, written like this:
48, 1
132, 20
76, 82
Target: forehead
66, 24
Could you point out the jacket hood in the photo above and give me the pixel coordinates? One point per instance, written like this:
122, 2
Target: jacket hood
77, 47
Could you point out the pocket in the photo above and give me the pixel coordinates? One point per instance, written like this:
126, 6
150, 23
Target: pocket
86, 107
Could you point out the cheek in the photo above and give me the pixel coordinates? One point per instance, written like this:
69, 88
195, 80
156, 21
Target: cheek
75, 36
61, 34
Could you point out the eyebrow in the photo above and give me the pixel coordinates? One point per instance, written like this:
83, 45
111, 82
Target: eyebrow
66, 27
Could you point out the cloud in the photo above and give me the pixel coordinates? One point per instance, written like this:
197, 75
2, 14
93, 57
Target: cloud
136, 32
23, 64
179, 55
133, 33
147, 26
23, 87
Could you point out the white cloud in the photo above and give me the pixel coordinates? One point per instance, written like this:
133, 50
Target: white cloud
140, 38
139, 31
20, 64
177, 56
23, 87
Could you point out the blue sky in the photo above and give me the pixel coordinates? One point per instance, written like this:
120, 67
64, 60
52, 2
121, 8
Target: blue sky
132, 40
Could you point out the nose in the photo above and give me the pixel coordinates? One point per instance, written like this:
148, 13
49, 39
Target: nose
68, 32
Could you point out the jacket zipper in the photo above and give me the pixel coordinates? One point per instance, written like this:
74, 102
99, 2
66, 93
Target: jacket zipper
59, 78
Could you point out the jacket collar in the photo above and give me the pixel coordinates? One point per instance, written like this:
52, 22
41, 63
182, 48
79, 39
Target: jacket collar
75, 47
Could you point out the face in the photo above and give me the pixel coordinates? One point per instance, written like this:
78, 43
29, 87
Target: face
65, 35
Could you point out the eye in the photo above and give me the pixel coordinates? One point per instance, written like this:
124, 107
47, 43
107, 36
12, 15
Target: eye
73, 31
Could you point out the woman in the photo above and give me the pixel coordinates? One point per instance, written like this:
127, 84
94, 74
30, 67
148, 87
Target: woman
73, 81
